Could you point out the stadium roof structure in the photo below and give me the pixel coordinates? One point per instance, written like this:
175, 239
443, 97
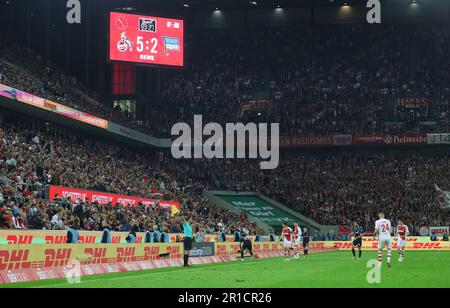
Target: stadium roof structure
201, 5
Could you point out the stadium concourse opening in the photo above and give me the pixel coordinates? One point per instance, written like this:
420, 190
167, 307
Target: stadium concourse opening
92, 195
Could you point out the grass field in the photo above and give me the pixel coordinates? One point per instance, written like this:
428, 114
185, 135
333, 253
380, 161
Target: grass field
420, 269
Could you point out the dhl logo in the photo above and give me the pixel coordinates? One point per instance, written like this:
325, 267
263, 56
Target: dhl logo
394, 239
14, 259
419, 246
151, 253
235, 247
86, 239
226, 249
21, 239
96, 255
343, 245
274, 247
55, 239
426, 246
115, 239
57, 257
126, 254
317, 245
261, 247
221, 250
374, 245
174, 251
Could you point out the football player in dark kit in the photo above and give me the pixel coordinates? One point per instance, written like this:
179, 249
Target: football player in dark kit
358, 233
246, 245
306, 239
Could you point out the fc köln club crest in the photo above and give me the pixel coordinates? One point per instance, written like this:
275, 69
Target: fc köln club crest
124, 44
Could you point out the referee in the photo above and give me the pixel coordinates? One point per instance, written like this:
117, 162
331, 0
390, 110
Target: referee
187, 240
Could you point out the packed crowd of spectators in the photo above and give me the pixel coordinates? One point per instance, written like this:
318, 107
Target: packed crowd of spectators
339, 188
321, 80
26, 70
30, 159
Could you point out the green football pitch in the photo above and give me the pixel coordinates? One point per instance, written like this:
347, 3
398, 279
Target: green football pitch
337, 269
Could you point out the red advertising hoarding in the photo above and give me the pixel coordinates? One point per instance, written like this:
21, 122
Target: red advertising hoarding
413, 102
45, 104
305, 141
390, 139
146, 39
105, 198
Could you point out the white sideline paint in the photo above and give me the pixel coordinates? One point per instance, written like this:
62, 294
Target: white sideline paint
142, 275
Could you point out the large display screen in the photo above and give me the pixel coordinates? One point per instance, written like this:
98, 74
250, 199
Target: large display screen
146, 39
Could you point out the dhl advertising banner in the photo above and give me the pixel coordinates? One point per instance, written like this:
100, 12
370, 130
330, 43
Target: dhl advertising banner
267, 249
234, 248
12, 237
25, 262
48, 105
413, 243
16, 257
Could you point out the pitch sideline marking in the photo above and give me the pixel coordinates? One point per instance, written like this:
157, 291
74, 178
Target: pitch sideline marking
147, 274
140, 275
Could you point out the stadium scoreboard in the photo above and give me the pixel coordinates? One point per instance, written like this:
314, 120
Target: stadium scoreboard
146, 39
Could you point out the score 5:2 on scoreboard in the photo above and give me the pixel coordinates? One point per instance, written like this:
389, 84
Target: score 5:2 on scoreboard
146, 39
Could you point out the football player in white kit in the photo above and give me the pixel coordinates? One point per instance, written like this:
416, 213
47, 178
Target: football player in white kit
402, 233
297, 232
286, 235
383, 231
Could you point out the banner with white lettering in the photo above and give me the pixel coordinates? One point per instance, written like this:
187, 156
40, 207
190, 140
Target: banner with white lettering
443, 197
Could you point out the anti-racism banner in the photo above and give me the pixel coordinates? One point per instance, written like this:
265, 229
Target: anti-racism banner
390, 139
107, 198
48, 105
443, 197
26, 237
439, 231
306, 141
